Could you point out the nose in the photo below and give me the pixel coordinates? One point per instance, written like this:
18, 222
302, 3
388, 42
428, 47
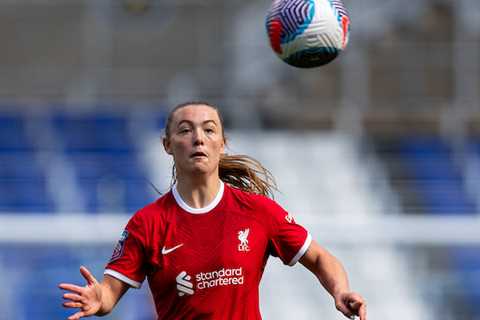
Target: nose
198, 137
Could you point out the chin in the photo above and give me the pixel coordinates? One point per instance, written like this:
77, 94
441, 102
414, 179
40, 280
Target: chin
199, 169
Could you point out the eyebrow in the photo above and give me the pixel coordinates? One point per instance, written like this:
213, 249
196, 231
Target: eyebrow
191, 122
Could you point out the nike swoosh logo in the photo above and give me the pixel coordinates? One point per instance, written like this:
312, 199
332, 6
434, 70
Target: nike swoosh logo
167, 251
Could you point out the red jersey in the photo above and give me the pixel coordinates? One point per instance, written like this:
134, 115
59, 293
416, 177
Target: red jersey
206, 263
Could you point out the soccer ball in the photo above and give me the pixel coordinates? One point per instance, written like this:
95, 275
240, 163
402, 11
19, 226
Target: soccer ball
307, 33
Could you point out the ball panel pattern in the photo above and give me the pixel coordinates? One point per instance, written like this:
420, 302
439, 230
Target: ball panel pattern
343, 19
307, 33
294, 17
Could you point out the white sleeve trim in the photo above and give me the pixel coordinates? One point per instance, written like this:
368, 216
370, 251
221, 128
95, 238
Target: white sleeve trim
302, 250
123, 278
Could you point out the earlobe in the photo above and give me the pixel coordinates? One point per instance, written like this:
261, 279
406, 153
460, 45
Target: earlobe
166, 146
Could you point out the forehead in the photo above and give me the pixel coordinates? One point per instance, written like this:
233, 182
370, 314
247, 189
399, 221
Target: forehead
195, 114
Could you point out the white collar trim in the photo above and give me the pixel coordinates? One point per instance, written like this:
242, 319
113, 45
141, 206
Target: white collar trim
206, 209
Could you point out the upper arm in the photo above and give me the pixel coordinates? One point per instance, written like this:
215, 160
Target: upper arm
313, 256
318, 260
288, 240
129, 258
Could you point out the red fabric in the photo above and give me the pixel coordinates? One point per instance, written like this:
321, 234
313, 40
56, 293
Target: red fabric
212, 262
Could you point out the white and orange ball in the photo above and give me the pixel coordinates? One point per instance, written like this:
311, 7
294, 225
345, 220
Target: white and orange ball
308, 33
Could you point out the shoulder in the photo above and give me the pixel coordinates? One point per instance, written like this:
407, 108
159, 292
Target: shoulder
241, 196
254, 201
153, 211
150, 220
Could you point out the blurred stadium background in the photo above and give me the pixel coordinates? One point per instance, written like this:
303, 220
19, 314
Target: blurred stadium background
377, 154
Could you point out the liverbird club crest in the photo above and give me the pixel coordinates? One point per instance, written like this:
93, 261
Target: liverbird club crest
243, 237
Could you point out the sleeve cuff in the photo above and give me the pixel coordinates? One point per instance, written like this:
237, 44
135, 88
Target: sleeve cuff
121, 277
302, 250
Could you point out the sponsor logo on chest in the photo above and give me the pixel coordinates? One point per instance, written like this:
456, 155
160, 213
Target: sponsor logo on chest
187, 284
206, 280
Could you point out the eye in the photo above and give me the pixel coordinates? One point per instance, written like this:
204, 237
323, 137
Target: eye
209, 130
184, 130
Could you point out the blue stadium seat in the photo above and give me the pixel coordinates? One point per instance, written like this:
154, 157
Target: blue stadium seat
439, 181
105, 161
19, 165
98, 165
99, 147
466, 261
112, 194
24, 195
12, 134
93, 133
22, 180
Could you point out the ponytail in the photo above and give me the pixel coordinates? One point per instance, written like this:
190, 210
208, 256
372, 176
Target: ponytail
247, 174
244, 173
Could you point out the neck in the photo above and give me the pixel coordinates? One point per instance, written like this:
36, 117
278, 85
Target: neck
198, 192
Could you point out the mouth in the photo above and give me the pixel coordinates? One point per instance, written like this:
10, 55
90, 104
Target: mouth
198, 154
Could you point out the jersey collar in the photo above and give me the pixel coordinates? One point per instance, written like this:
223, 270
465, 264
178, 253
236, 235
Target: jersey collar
205, 209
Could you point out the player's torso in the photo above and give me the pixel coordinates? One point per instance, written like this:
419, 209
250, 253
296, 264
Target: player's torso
209, 262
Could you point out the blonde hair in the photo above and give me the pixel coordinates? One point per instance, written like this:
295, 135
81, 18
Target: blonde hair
240, 171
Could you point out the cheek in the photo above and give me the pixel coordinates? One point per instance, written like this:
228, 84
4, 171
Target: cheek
220, 151
219, 146
178, 148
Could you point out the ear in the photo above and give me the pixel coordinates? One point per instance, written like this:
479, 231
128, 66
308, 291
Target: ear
223, 145
222, 149
166, 145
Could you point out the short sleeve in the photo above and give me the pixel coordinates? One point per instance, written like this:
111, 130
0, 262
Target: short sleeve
289, 241
127, 263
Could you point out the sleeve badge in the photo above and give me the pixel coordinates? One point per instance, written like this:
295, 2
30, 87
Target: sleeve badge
119, 247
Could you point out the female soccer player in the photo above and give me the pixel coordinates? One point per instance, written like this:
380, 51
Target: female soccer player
203, 245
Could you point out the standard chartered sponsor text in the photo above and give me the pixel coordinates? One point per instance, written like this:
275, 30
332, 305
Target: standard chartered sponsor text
220, 277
